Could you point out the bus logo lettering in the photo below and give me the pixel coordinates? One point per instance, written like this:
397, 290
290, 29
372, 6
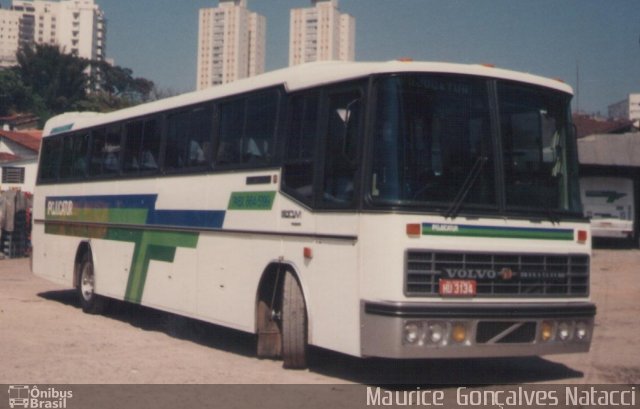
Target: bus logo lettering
59, 208
470, 273
445, 228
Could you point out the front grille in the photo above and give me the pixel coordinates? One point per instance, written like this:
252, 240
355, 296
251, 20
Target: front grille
505, 332
498, 275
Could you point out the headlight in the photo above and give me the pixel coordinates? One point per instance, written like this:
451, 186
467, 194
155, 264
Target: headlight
582, 331
564, 331
412, 332
436, 333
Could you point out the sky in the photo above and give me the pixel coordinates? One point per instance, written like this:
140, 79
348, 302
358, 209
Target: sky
593, 45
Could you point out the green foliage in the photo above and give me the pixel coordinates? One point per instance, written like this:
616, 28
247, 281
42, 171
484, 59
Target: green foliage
15, 96
48, 82
58, 78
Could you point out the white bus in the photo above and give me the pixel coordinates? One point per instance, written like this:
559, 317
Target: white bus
609, 202
398, 209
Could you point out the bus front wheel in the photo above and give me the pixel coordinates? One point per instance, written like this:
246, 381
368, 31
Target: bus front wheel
90, 302
294, 324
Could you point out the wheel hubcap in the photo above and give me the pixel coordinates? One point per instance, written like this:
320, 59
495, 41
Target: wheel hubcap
86, 283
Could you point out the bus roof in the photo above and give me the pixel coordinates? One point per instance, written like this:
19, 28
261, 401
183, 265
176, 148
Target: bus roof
293, 79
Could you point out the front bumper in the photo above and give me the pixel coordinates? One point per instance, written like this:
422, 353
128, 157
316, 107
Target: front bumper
457, 330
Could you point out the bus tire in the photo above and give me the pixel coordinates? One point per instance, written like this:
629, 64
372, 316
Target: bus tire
294, 324
90, 302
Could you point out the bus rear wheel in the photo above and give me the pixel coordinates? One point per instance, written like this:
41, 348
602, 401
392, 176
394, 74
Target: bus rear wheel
90, 302
294, 324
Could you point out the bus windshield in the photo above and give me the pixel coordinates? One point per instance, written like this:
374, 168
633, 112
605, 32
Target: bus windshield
436, 146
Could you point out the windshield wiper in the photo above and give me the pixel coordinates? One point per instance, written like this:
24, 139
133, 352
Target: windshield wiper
475, 171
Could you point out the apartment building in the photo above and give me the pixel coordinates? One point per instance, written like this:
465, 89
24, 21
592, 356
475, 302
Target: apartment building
231, 43
320, 33
9, 37
78, 27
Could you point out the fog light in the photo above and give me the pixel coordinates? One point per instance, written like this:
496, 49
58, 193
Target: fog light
436, 333
459, 333
411, 333
582, 331
546, 331
564, 331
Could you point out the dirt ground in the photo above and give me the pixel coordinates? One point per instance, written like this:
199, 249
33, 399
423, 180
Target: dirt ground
45, 338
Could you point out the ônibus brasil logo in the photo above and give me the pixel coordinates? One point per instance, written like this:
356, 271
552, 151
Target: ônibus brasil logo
25, 396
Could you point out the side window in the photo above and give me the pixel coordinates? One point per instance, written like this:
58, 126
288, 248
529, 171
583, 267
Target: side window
142, 147
105, 151
261, 117
341, 143
246, 130
50, 159
132, 147
150, 152
74, 156
230, 132
534, 133
188, 139
300, 146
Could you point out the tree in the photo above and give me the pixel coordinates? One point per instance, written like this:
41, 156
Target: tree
120, 83
59, 79
14, 95
48, 82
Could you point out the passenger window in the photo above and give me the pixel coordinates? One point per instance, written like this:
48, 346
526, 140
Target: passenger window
50, 159
74, 156
300, 146
230, 132
105, 151
188, 139
261, 117
133, 146
142, 147
246, 130
150, 146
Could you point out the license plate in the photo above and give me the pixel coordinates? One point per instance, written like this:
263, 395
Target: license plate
457, 288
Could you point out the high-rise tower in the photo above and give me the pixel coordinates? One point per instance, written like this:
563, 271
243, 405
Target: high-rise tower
231, 43
320, 33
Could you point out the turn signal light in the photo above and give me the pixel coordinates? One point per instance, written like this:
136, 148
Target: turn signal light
546, 332
459, 333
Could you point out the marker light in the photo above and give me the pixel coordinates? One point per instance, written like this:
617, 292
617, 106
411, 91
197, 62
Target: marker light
582, 236
414, 230
307, 252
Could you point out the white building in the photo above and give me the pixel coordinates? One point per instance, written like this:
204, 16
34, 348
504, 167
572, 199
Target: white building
19, 159
77, 26
9, 37
231, 43
321, 33
629, 108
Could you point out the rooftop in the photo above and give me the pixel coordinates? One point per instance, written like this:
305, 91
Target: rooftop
28, 139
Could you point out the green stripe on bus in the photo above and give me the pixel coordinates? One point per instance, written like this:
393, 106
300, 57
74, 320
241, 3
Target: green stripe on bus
497, 232
152, 245
148, 245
